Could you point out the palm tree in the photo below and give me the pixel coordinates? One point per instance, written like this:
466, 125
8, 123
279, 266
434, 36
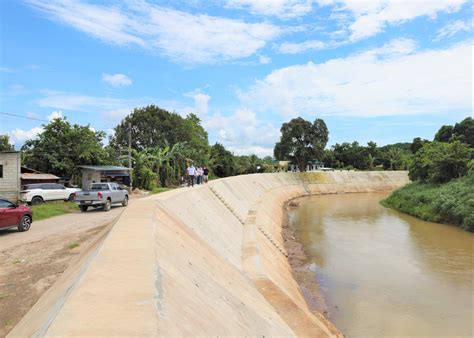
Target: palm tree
394, 156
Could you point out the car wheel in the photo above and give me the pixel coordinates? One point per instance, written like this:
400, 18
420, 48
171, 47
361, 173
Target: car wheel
71, 198
83, 208
25, 223
36, 200
125, 202
107, 205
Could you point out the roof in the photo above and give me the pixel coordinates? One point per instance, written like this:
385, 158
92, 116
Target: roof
32, 176
103, 167
29, 170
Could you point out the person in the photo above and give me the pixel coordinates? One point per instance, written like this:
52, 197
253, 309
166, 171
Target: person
199, 175
205, 174
191, 174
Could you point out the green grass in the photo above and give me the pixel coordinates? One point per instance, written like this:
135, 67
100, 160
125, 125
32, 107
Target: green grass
73, 245
450, 203
51, 209
157, 190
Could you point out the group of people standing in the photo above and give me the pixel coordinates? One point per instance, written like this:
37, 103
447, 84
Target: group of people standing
197, 175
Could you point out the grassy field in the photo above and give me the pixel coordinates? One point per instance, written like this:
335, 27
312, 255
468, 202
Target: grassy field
450, 203
51, 209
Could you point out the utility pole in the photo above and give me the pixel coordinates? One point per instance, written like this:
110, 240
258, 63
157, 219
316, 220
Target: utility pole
130, 154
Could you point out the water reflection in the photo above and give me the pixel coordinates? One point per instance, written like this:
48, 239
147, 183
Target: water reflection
384, 273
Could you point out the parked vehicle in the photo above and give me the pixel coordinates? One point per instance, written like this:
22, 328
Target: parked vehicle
42, 192
15, 216
101, 195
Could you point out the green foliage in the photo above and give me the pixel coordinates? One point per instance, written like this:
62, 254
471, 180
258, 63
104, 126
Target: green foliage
51, 209
5, 143
153, 127
61, 147
440, 162
462, 131
302, 141
417, 144
222, 162
450, 203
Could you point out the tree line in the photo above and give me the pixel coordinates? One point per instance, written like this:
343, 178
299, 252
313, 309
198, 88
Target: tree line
440, 160
164, 143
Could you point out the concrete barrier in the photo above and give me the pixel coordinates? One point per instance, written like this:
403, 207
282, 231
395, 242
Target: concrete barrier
206, 261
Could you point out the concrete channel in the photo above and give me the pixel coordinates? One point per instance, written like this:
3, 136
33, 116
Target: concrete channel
207, 261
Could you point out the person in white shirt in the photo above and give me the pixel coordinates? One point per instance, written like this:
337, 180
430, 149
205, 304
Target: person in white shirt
191, 173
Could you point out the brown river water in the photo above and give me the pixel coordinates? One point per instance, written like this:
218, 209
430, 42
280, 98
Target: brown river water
383, 273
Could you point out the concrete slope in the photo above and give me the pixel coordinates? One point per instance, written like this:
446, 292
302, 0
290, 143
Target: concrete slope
208, 260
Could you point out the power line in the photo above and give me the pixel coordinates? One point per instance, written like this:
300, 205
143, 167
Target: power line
24, 117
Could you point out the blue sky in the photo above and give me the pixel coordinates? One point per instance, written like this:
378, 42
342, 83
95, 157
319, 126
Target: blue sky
386, 71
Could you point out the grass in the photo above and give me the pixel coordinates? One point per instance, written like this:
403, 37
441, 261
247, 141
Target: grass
51, 209
450, 203
73, 245
157, 190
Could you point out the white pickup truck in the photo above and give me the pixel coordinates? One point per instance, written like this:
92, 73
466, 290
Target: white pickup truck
101, 195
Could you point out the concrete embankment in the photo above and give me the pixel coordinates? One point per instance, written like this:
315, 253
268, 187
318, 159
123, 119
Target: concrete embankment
208, 260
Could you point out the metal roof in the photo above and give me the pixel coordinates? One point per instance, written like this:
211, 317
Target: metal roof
32, 176
103, 167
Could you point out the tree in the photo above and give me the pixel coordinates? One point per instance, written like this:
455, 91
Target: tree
464, 131
440, 162
444, 134
155, 127
5, 143
417, 144
302, 141
222, 161
62, 147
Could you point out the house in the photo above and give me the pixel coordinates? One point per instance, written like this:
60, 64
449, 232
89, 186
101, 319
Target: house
30, 176
10, 164
313, 165
104, 173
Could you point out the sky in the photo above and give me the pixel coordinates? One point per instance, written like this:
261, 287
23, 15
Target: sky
384, 71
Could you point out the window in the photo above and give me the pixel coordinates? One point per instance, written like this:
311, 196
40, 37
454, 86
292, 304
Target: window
6, 204
1, 171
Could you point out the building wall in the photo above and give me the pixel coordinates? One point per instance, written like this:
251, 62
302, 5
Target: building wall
88, 177
10, 182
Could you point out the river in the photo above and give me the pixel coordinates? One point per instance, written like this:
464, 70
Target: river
383, 273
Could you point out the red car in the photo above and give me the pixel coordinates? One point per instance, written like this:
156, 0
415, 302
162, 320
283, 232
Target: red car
14, 215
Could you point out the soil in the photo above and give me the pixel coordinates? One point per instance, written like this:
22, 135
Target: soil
306, 279
27, 271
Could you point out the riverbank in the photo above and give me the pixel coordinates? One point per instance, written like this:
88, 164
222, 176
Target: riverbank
309, 285
449, 203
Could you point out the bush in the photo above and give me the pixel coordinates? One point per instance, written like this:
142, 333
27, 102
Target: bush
450, 203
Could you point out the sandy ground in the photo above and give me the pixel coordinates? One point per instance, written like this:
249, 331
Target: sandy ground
30, 262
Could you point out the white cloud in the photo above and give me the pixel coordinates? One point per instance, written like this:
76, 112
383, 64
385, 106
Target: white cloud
112, 109
116, 80
179, 35
283, 9
264, 59
295, 48
55, 115
392, 80
243, 133
19, 136
453, 28
6, 70
370, 17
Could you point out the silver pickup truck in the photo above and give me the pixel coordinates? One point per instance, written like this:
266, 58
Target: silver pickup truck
101, 195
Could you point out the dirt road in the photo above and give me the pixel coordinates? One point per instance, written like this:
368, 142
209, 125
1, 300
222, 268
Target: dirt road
30, 262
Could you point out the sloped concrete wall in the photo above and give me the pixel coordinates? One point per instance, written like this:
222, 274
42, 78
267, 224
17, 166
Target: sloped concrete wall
206, 261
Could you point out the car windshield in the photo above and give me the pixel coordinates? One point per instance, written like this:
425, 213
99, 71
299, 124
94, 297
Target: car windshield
99, 187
